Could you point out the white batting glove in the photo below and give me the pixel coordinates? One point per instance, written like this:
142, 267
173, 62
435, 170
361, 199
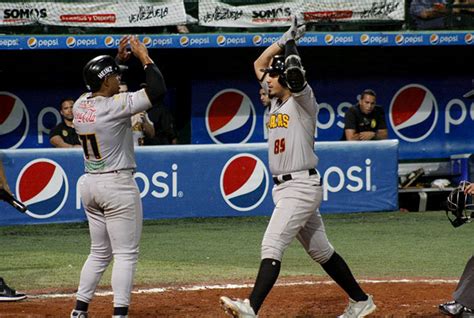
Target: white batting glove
295, 32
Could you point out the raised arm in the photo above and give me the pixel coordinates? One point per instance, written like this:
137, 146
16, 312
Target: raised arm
295, 32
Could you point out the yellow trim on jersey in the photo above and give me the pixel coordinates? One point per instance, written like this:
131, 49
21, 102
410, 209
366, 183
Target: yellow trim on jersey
278, 121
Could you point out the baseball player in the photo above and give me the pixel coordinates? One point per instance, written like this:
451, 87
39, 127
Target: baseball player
108, 190
297, 192
463, 303
7, 293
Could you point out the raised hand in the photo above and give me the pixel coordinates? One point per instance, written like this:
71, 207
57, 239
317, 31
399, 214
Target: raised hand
123, 54
295, 32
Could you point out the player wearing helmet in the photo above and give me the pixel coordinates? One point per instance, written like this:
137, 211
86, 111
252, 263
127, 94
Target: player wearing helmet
297, 192
109, 194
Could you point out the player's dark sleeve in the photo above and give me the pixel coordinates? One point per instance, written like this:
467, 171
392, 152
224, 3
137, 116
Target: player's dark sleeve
382, 124
350, 119
156, 87
294, 71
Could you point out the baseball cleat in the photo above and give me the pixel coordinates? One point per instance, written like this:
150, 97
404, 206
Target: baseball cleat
359, 309
78, 314
455, 309
237, 308
9, 294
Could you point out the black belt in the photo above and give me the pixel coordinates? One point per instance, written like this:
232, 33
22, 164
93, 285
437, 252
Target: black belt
288, 177
114, 171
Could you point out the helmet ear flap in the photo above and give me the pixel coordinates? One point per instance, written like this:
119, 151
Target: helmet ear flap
282, 80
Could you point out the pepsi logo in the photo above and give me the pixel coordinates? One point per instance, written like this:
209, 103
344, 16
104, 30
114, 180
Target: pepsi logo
184, 41
109, 41
413, 113
399, 39
434, 38
147, 41
220, 40
71, 41
244, 182
42, 185
364, 38
468, 38
329, 39
14, 121
32, 42
257, 40
230, 117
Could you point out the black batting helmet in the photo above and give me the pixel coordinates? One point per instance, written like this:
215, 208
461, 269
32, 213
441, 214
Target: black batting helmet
97, 69
277, 68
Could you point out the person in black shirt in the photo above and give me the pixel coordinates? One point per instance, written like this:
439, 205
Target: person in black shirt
64, 135
365, 120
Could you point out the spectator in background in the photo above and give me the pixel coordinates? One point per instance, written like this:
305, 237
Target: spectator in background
64, 135
365, 120
7, 293
163, 123
142, 126
429, 14
266, 101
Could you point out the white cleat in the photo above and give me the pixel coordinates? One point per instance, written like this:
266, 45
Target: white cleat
237, 308
359, 309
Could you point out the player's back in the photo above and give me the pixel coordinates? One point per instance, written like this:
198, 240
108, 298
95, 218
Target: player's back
104, 128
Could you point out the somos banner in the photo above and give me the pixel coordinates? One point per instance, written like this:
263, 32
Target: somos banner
94, 14
429, 117
202, 181
219, 14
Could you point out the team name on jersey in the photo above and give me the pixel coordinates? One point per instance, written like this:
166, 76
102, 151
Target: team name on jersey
86, 113
278, 121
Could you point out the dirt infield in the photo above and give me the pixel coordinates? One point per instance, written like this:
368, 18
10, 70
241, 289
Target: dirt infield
296, 298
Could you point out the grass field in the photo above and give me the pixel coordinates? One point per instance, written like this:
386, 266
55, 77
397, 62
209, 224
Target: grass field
389, 244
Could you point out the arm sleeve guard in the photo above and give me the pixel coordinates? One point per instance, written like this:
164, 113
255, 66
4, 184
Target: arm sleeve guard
294, 71
156, 87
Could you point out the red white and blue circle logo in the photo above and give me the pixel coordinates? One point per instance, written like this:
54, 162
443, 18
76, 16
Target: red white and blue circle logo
109, 41
413, 113
42, 185
230, 117
257, 40
71, 41
244, 182
14, 121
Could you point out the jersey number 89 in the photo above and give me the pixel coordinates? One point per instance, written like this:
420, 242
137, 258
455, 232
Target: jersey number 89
279, 146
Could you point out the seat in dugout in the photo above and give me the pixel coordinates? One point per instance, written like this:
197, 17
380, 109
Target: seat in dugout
425, 185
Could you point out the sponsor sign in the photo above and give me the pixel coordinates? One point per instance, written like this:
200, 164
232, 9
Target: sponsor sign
219, 14
236, 178
428, 116
107, 14
60, 42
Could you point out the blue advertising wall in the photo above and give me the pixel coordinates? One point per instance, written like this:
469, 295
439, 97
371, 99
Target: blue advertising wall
202, 180
428, 115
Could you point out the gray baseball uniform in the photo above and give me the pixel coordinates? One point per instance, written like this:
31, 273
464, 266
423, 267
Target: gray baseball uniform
297, 198
108, 190
464, 293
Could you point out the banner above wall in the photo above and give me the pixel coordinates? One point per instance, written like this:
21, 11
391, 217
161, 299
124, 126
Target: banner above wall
216, 13
428, 115
94, 14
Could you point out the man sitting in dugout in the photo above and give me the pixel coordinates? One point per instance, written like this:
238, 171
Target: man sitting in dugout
365, 120
64, 135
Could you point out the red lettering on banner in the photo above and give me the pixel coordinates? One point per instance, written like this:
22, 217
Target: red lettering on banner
98, 18
328, 15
